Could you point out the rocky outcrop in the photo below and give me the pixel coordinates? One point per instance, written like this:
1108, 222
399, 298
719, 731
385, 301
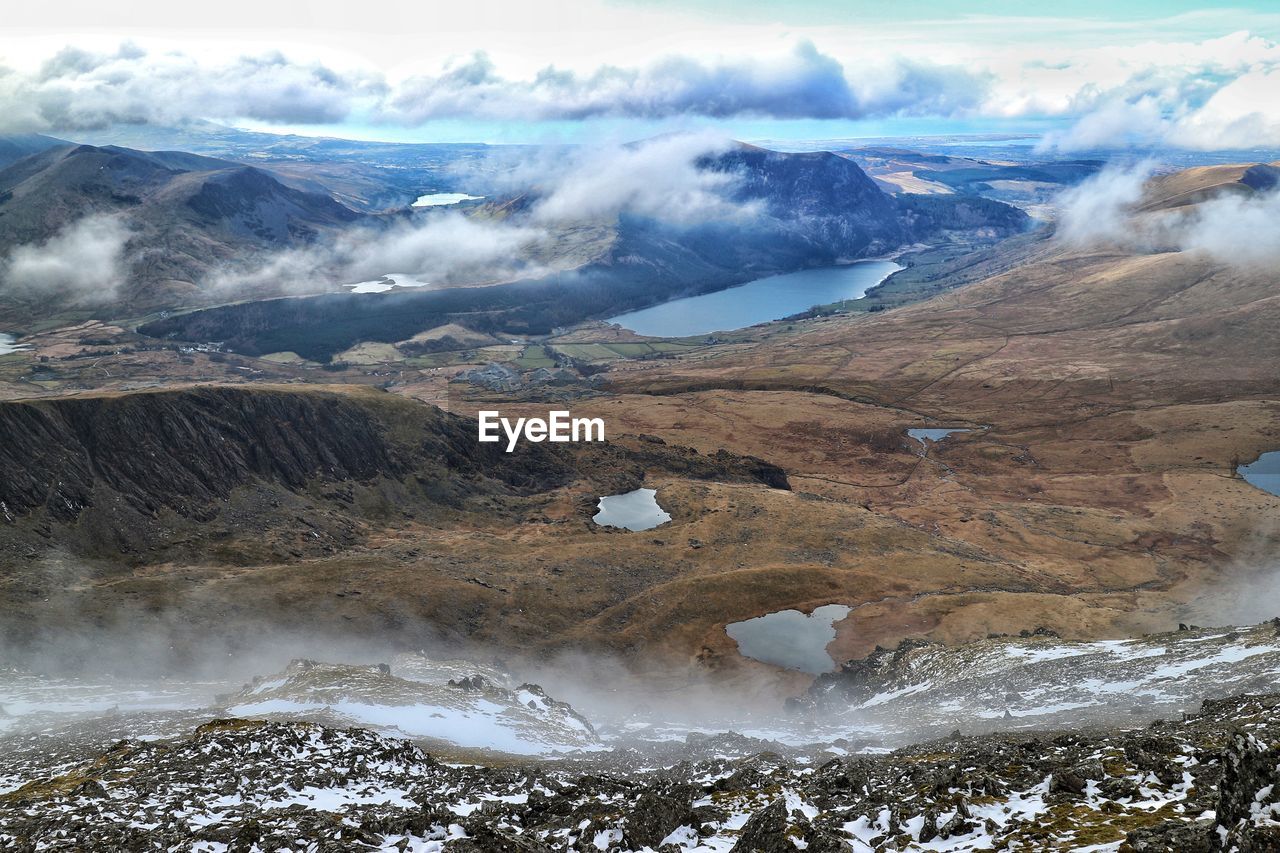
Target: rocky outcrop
1248, 812
114, 474
243, 782
1261, 177
881, 671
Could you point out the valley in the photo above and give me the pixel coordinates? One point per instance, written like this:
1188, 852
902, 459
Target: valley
898, 475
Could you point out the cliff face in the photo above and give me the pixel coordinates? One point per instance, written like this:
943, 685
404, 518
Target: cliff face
159, 471
180, 451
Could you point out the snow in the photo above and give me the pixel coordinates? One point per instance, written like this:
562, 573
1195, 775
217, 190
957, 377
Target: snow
486, 726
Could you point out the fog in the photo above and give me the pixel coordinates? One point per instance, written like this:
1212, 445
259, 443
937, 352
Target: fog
1099, 209
1236, 228
84, 262
662, 179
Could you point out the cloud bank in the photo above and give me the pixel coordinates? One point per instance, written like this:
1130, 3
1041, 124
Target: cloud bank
1220, 94
1237, 228
84, 262
78, 90
662, 179
1100, 209
1212, 94
804, 83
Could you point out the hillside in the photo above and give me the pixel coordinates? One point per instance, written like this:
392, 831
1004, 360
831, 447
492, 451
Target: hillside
207, 214
115, 496
815, 210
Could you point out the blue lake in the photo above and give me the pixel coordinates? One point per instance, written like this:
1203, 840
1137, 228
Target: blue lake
1264, 472
756, 301
789, 638
638, 510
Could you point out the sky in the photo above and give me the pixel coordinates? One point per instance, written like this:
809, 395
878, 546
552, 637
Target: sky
1077, 76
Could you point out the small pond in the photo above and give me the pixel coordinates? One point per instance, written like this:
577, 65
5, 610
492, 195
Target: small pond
636, 510
928, 435
789, 638
388, 281
1264, 472
444, 199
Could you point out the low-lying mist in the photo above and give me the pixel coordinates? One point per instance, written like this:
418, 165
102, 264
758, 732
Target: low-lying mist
1233, 228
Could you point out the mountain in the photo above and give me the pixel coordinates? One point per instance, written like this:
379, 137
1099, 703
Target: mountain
370, 177
809, 210
186, 216
14, 147
298, 478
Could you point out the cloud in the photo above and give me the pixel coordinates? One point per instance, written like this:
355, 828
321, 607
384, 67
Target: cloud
1242, 114
1236, 228
1240, 230
443, 249
1213, 95
84, 262
1099, 209
804, 83
663, 179
79, 89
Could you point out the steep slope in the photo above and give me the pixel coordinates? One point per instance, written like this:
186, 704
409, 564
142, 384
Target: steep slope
120, 474
807, 210
185, 215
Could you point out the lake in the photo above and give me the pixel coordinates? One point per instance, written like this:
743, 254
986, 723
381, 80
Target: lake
758, 301
444, 199
1264, 472
637, 510
789, 638
388, 281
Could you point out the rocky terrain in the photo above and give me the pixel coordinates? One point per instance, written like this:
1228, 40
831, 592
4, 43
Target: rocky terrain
175, 502
1206, 782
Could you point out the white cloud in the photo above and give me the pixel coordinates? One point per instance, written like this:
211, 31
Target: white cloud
1099, 209
660, 178
803, 83
1237, 228
1130, 88
441, 249
83, 262
79, 89
1242, 114
1242, 231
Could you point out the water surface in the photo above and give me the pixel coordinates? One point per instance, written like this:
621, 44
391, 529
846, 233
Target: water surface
789, 638
931, 434
636, 510
1264, 472
758, 301
444, 199
388, 281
